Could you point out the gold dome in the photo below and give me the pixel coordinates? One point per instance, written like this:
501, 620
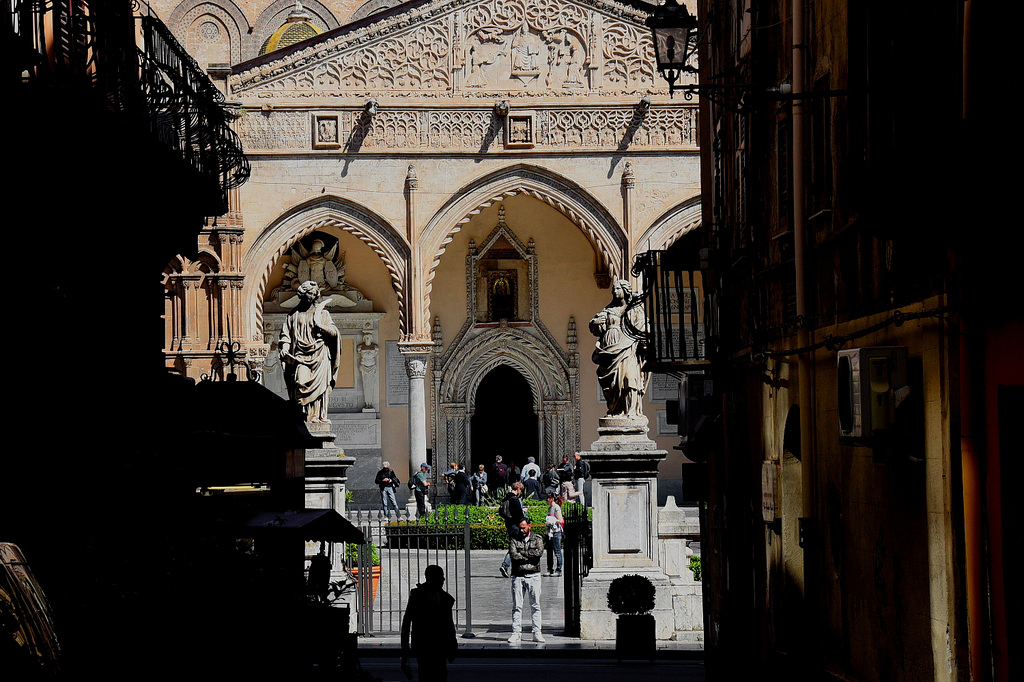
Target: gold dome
296, 28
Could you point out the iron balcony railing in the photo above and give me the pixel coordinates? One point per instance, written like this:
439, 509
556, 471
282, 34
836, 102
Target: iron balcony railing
673, 301
93, 47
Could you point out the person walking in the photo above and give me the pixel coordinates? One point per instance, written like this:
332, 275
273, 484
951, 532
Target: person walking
420, 487
526, 551
554, 524
387, 481
428, 629
581, 472
479, 484
511, 510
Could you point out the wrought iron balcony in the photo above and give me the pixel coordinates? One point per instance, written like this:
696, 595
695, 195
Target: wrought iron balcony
673, 301
92, 50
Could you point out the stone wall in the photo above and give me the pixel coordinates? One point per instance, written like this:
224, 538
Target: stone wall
678, 540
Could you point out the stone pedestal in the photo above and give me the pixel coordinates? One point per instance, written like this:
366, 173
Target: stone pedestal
624, 493
326, 475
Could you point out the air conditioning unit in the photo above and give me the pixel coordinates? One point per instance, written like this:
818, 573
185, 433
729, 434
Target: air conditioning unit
872, 383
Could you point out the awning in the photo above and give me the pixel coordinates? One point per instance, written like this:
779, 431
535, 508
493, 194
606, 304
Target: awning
307, 524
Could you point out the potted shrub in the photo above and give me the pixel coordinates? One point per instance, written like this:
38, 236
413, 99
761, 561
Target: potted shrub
631, 598
352, 559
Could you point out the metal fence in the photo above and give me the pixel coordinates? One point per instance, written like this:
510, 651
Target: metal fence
404, 547
577, 541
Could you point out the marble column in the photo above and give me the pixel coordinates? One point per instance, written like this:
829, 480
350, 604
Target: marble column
416, 356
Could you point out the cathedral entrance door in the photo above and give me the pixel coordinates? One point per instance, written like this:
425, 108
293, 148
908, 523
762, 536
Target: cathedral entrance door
504, 422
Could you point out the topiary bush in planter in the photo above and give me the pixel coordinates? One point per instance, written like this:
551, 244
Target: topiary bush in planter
632, 598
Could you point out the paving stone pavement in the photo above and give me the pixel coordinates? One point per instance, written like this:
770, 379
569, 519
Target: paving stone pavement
491, 605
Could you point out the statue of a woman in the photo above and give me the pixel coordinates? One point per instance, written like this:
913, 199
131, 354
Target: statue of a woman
310, 348
619, 357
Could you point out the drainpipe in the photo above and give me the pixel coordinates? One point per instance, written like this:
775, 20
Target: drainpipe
805, 368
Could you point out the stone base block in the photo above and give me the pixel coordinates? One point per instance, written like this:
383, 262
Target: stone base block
598, 622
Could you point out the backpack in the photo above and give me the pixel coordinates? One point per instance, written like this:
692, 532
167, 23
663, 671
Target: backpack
450, 480
503, 510
584, 469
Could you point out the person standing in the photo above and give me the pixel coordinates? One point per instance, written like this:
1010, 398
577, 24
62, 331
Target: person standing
565, 470
479, 484
421, 485
550, 480
581, 472
499, 473
387, 481
532, 489
554, 525
531, 465
526, 551
428, 629
511, 510
463, 486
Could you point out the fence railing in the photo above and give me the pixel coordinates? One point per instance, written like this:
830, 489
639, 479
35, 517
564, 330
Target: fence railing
404, 547
578, 554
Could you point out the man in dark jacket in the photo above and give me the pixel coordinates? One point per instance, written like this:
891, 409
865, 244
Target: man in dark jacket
463, 486
533, 491
512, 512
387, 481
581, 472
499, 473
526, 550
565, 470
429, 617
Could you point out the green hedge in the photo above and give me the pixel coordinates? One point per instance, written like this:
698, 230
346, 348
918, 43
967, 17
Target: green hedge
486, 528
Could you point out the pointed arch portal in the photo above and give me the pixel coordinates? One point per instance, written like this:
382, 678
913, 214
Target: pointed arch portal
504, 421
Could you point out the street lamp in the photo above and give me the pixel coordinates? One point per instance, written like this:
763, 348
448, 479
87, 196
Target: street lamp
674, 30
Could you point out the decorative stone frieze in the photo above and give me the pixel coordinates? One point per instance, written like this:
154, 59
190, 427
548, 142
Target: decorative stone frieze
470, 48
664, 127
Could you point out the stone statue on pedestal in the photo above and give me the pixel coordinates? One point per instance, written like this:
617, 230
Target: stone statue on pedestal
368, 367
619, 357
310, 348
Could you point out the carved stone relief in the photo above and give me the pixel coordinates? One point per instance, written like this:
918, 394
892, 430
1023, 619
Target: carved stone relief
472, 48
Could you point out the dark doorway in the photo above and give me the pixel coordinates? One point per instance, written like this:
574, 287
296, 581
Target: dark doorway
504, 422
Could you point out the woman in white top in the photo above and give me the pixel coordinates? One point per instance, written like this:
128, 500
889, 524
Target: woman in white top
554, 523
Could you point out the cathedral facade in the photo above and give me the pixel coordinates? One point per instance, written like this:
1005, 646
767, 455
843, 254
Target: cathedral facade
464, 179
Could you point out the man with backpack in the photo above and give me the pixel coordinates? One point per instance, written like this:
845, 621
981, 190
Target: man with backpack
511, 511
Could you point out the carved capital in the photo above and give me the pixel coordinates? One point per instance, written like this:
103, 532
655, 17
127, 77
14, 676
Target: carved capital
416, 367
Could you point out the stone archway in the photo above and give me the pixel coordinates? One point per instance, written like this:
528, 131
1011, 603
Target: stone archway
504, 421
324, 212
550, 373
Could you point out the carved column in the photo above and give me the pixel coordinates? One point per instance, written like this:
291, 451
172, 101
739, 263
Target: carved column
628, 187
191, 310
417, 356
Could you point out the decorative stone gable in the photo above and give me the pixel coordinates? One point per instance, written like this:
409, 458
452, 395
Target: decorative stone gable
470, 49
